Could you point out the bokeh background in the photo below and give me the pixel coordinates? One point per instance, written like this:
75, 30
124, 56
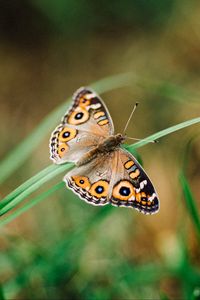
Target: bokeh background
64, 248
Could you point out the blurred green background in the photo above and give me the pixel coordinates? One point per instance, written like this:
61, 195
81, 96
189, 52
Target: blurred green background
63, 248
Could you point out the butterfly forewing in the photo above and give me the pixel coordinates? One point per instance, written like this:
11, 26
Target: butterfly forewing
83, 127
91, 111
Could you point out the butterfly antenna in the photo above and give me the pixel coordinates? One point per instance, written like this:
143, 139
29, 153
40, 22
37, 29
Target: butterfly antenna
127, 123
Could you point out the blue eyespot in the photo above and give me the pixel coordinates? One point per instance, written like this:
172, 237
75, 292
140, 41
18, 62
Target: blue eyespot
78, 116
99, 189
124, 191
66, 134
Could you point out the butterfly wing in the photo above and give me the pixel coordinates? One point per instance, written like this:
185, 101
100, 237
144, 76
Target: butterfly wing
89, 113
117, 179
92, 181
83, 127
130, 186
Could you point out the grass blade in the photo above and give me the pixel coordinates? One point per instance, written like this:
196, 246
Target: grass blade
164, 132
2, 294
25, 185
190, 203
32, 188
31, 203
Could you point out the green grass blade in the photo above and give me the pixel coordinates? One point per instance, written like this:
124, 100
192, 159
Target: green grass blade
164, 132
32, 188
30, 204
2, 297
17, 157
163, 296
190, 203
25, 185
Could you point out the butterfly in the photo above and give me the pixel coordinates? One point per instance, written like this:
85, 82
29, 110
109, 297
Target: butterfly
105, 172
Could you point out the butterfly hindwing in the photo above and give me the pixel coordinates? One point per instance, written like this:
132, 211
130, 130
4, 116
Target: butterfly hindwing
83, 127
92, 181
131, 185
117, 179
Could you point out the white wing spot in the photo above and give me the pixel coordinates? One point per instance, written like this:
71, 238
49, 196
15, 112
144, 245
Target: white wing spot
142, 184
89, 96
152, 197
95, 106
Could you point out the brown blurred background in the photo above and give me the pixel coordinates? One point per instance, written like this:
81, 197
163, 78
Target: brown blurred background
47, 51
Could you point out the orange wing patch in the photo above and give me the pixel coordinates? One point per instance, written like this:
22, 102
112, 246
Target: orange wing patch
99, 114
143, 198
128, 164
82, 181
67, 134
123, 190
84, 101
79, 116
99, 189
135, 174
103, 122
62, 149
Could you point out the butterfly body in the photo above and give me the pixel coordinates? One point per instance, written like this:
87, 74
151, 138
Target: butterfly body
105, 172
107, 146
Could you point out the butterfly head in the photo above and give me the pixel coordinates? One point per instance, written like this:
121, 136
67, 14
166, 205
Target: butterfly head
120, 138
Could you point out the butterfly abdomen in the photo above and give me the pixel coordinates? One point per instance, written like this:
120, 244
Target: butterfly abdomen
87, 157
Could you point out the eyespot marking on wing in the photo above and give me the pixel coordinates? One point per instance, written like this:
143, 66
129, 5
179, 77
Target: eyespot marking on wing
82, 182
67, 134
62, 149
123, 190
95, 194
99, 189
79, 116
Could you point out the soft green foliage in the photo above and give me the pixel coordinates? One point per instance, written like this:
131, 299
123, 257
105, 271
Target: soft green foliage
54, 269
67, 16
190, 203
1, 295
